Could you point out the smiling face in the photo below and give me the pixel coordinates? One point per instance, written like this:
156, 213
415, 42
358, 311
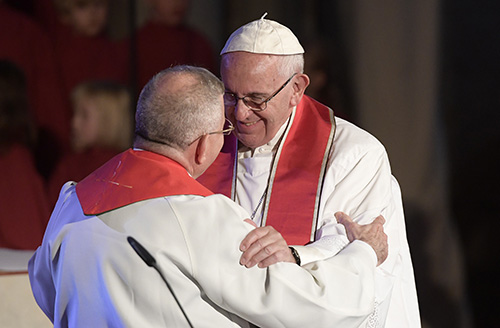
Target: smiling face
257, 76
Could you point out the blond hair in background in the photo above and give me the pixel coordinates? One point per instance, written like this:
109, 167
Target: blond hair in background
102, 116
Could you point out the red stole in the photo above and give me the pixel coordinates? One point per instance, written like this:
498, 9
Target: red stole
133, 176
296, 179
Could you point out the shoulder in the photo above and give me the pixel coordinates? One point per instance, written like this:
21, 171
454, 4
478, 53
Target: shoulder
214, 207
355, 149
67, 195
354, 141
214, 215
67, 210
349, 133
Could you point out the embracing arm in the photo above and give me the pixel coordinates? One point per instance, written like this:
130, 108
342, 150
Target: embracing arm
324, 293
357, 182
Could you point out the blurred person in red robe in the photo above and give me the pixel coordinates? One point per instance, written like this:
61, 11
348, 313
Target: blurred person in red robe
24, 209
83, 50
166, 40
25, 43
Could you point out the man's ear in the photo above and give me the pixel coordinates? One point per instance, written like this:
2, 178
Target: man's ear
301, 81
201, 149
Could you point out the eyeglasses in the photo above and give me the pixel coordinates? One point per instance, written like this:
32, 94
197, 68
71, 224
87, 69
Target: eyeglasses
255, 104
227, 131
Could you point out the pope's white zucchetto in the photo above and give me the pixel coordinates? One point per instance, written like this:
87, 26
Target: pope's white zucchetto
263, 36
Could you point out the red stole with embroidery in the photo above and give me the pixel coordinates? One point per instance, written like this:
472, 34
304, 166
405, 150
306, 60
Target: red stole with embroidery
133, 176
292, 202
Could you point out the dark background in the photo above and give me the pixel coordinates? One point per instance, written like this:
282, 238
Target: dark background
470, 88
469, 106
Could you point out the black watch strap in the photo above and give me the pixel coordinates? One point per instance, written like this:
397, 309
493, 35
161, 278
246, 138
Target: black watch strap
295, 255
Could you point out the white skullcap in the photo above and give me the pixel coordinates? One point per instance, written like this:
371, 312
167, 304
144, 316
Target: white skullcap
263, 36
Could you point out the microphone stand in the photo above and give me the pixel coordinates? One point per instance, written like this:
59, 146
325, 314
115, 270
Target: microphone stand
150, 261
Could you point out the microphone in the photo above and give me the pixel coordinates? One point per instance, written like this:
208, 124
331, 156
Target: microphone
150, 261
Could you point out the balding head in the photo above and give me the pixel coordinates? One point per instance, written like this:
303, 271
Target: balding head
178, 105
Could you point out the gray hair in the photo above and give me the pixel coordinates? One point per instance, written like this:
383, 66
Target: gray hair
178, 116
287, 65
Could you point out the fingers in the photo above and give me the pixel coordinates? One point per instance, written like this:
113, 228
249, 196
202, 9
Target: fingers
379, 220
264, 246
349, 224
383, 251
372, 233
343, 218
252, 237
251, 222
281, 254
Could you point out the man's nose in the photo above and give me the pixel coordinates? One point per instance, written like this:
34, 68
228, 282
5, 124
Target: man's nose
241, 111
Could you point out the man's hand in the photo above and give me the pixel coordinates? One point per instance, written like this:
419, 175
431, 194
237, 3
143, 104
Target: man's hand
373, 234
264, 246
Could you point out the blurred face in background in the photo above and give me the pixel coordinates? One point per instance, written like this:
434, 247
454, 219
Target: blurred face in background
87, 18
169, 12
85, 124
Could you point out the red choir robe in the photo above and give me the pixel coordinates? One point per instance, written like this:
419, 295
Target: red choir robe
160, 46
23, 42
24, 209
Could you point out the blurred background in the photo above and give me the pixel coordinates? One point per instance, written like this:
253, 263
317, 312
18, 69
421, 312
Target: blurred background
422, 76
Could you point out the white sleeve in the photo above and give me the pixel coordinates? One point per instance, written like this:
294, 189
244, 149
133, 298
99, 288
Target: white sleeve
359, 183
337, 291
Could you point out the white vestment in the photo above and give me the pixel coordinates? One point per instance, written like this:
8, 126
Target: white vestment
85, 274
358, 181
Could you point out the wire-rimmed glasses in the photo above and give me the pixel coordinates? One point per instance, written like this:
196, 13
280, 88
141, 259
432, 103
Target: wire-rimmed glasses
255, 104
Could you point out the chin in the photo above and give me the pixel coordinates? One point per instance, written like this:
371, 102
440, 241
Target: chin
251, 143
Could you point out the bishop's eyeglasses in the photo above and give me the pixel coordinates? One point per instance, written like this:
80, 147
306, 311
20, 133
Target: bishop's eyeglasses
227, 131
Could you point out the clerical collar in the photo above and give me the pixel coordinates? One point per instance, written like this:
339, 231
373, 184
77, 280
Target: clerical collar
271, 146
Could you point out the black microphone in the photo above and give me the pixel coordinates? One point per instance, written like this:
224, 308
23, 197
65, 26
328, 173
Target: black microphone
150, 261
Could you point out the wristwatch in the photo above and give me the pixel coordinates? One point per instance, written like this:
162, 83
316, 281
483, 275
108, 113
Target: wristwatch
295, 255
